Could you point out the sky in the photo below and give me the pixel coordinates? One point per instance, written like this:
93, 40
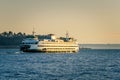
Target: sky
89, 21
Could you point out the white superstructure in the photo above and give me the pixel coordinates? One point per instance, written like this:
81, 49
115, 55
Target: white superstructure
54, 44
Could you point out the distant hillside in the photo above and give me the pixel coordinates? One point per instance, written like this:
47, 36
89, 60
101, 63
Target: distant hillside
10, 38
14, 39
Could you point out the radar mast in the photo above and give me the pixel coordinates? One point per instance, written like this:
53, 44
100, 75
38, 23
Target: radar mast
67, 36
33, 32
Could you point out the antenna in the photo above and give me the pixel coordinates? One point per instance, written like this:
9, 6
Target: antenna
67, 35
33, 32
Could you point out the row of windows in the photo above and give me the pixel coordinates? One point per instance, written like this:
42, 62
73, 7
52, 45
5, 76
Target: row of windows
59, 48
57, 42
54, 46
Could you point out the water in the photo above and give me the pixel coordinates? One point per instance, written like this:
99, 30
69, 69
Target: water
93, 64
100, 46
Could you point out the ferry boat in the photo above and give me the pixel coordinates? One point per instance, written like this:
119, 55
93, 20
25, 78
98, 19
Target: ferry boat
51, 45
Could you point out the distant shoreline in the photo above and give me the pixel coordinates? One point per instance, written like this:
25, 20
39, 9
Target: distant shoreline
9, 47
82, 46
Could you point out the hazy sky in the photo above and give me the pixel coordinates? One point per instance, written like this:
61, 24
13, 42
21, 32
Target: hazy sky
89, 21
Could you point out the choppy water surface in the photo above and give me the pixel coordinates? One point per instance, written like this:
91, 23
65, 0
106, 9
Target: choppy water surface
85, 65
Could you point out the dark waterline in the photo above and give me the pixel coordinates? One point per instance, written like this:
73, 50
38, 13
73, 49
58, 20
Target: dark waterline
93, 64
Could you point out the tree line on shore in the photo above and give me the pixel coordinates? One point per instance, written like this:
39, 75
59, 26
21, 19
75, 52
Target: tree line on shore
14, 39
10, 38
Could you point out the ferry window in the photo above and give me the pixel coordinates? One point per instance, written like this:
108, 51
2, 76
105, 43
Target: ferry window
36, 42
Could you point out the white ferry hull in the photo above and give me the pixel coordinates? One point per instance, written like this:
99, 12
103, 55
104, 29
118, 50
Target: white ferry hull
35, 48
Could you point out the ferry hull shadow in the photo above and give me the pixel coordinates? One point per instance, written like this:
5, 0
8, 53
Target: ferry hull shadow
39, 51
